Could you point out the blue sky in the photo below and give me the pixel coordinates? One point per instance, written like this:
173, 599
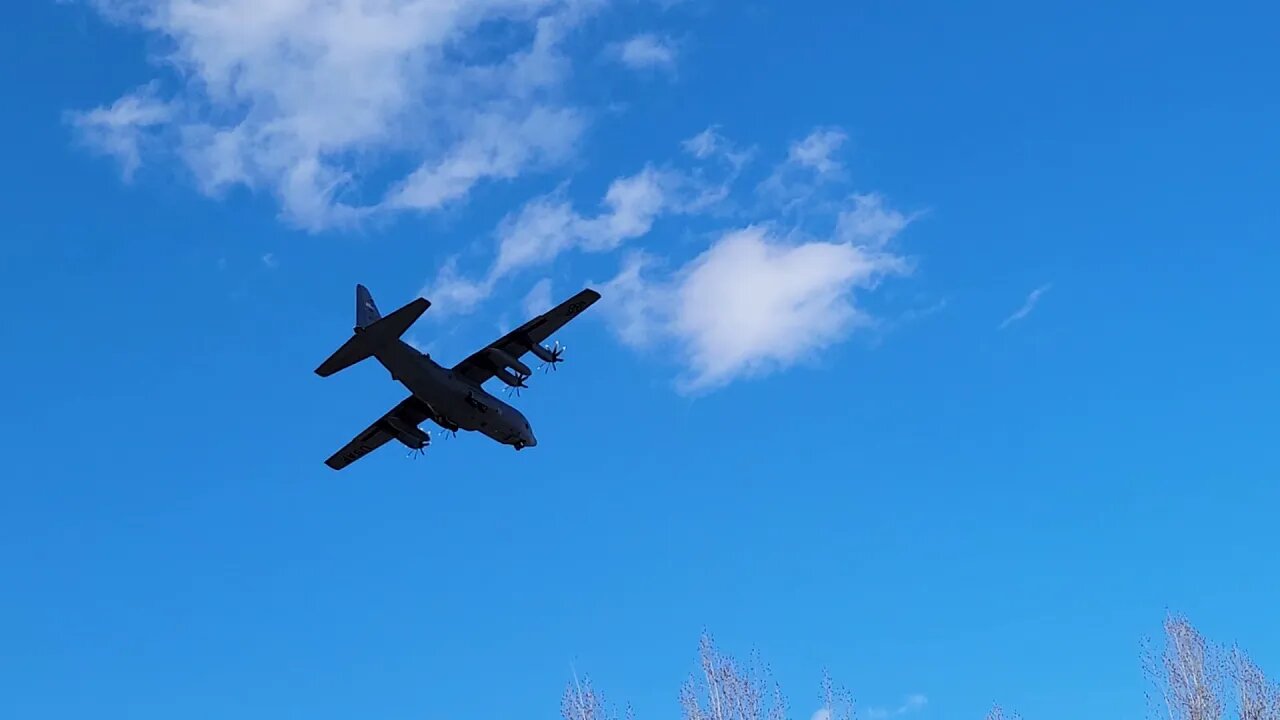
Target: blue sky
938, 349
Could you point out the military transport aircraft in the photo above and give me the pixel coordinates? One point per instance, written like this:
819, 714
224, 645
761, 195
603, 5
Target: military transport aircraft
450, 397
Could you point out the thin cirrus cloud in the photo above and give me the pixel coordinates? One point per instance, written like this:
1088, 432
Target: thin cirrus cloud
817, 149
549, 225
292, 96
1028, 306
812, 162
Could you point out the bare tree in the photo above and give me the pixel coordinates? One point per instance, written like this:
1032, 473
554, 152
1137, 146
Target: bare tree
1188, 673
724, 691
998, 713
837, 702
1258, 697
581, 701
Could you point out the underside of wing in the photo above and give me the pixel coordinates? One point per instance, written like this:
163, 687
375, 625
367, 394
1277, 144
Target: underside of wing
484, 364
400, 423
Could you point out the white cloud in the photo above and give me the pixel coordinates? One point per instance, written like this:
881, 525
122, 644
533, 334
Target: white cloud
270, 262
753, 303
1027, 306
119, 130
496, 149
868, 222
538, 300
637, 308
816, 149
761, 298
452, 293
305, 98
704, 144
810, 163
913, 703
711, 143
549, 225
647, 51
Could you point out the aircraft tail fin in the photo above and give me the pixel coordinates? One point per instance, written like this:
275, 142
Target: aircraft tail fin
372, 331
366, 311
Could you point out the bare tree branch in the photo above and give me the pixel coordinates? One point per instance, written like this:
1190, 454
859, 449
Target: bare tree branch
724, 691
998, 713
837, 702
1188, 673
581, 702
1258, 697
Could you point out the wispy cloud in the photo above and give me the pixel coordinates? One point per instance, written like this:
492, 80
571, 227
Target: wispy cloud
816, 150
313, 101
1028, 306
761, 297
120, 129
647, 51
765, 295
300, 99
550, 225
270, 262
811, 162
711, 143
912, 704
539, 298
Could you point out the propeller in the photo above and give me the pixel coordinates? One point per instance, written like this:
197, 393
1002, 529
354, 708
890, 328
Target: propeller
515, 389
417, 452
556, 351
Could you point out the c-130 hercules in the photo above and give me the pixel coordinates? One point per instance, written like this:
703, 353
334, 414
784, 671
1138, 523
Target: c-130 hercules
451, 397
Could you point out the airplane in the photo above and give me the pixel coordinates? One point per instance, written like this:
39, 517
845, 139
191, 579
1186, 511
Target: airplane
452, 398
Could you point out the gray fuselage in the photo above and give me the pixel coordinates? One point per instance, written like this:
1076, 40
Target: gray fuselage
457, 403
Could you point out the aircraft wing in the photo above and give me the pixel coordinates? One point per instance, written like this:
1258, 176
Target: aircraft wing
410, 412
478, 367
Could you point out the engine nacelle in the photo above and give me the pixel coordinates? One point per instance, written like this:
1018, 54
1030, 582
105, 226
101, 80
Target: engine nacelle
509, 377
542, 353
410, 436
502, 360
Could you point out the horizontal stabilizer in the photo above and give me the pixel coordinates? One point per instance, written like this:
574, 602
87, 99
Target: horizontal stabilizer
368, 340
352, 351
394, 325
